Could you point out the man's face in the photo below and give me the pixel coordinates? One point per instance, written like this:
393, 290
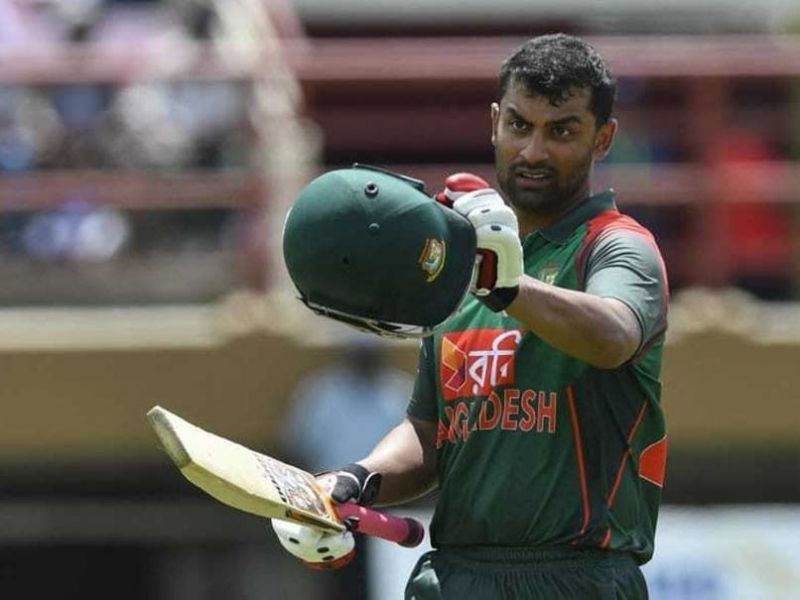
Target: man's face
544, 152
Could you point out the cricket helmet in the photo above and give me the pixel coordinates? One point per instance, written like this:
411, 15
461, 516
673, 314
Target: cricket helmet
371, 249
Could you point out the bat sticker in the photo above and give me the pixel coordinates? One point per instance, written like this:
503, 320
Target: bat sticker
294, 487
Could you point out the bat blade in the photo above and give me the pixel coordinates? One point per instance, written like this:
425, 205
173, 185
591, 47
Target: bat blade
261, 485
240, 477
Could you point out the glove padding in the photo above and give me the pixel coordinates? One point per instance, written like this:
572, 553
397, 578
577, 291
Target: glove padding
316, 548
500, 265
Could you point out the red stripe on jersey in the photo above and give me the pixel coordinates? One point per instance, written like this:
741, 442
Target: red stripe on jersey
653, 462
618, 479
607, 222
594, 228
576, 434
606, 540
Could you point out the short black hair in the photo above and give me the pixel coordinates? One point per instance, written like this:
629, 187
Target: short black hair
553, 65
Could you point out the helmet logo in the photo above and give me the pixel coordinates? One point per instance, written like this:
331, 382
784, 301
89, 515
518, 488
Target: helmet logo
432, 258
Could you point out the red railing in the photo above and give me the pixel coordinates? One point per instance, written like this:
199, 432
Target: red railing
367, 96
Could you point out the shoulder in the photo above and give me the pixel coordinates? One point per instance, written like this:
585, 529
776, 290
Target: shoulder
612, 235
613, 223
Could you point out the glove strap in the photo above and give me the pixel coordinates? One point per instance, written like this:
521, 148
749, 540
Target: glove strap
499, 298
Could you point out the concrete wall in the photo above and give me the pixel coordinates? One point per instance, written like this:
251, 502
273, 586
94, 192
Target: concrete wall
720, 387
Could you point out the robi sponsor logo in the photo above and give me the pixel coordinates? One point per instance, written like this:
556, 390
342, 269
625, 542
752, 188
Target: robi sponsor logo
478, 385
475, 362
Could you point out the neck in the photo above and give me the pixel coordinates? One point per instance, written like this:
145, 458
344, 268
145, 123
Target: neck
532, 221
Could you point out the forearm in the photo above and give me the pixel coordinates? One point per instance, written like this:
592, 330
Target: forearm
406, 458
600, 331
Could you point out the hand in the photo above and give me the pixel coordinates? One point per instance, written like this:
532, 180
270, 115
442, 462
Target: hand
351, 483
320, 550
500, 265
458, 184
316, 548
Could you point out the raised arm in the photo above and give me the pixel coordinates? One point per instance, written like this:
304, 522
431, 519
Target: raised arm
604, 325
603, 332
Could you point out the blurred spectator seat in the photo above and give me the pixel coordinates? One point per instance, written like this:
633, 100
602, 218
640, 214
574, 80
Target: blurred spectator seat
149, 121
420, 105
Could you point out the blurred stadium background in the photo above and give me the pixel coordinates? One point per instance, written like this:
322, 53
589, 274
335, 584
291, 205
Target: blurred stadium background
148, 152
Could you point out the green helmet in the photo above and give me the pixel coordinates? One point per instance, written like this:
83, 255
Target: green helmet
368, 247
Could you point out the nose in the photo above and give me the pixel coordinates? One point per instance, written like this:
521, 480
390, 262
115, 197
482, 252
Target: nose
535, 150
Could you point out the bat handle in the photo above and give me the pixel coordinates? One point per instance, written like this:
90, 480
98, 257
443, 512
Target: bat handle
402, 530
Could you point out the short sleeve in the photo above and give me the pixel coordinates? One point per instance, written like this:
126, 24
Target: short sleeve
627, 265
423, 399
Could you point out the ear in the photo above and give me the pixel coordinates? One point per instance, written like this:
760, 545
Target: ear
495, 111
604, 139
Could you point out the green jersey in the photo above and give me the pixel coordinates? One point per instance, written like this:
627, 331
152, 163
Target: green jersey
535, 447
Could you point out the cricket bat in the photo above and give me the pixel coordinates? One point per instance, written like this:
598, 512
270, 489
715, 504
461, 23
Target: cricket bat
263, 486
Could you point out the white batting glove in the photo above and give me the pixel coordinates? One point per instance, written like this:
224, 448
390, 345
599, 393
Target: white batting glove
316, 548
500, 264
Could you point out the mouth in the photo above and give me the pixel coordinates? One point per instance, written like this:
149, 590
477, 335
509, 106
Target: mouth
533, 178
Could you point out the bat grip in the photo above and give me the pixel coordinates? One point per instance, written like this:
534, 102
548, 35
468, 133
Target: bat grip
401, 530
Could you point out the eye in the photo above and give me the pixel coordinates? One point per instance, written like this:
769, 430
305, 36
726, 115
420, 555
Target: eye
561, 131
517, 125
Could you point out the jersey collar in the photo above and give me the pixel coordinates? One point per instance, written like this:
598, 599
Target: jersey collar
559, 231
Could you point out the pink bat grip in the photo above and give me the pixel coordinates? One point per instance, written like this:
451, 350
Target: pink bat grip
404, 531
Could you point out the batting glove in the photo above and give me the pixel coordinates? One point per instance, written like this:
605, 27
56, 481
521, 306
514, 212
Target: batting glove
351, 483
458, 184
328, 551
317, 549
500, 262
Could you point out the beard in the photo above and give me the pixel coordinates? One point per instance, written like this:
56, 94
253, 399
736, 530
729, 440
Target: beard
561, 192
